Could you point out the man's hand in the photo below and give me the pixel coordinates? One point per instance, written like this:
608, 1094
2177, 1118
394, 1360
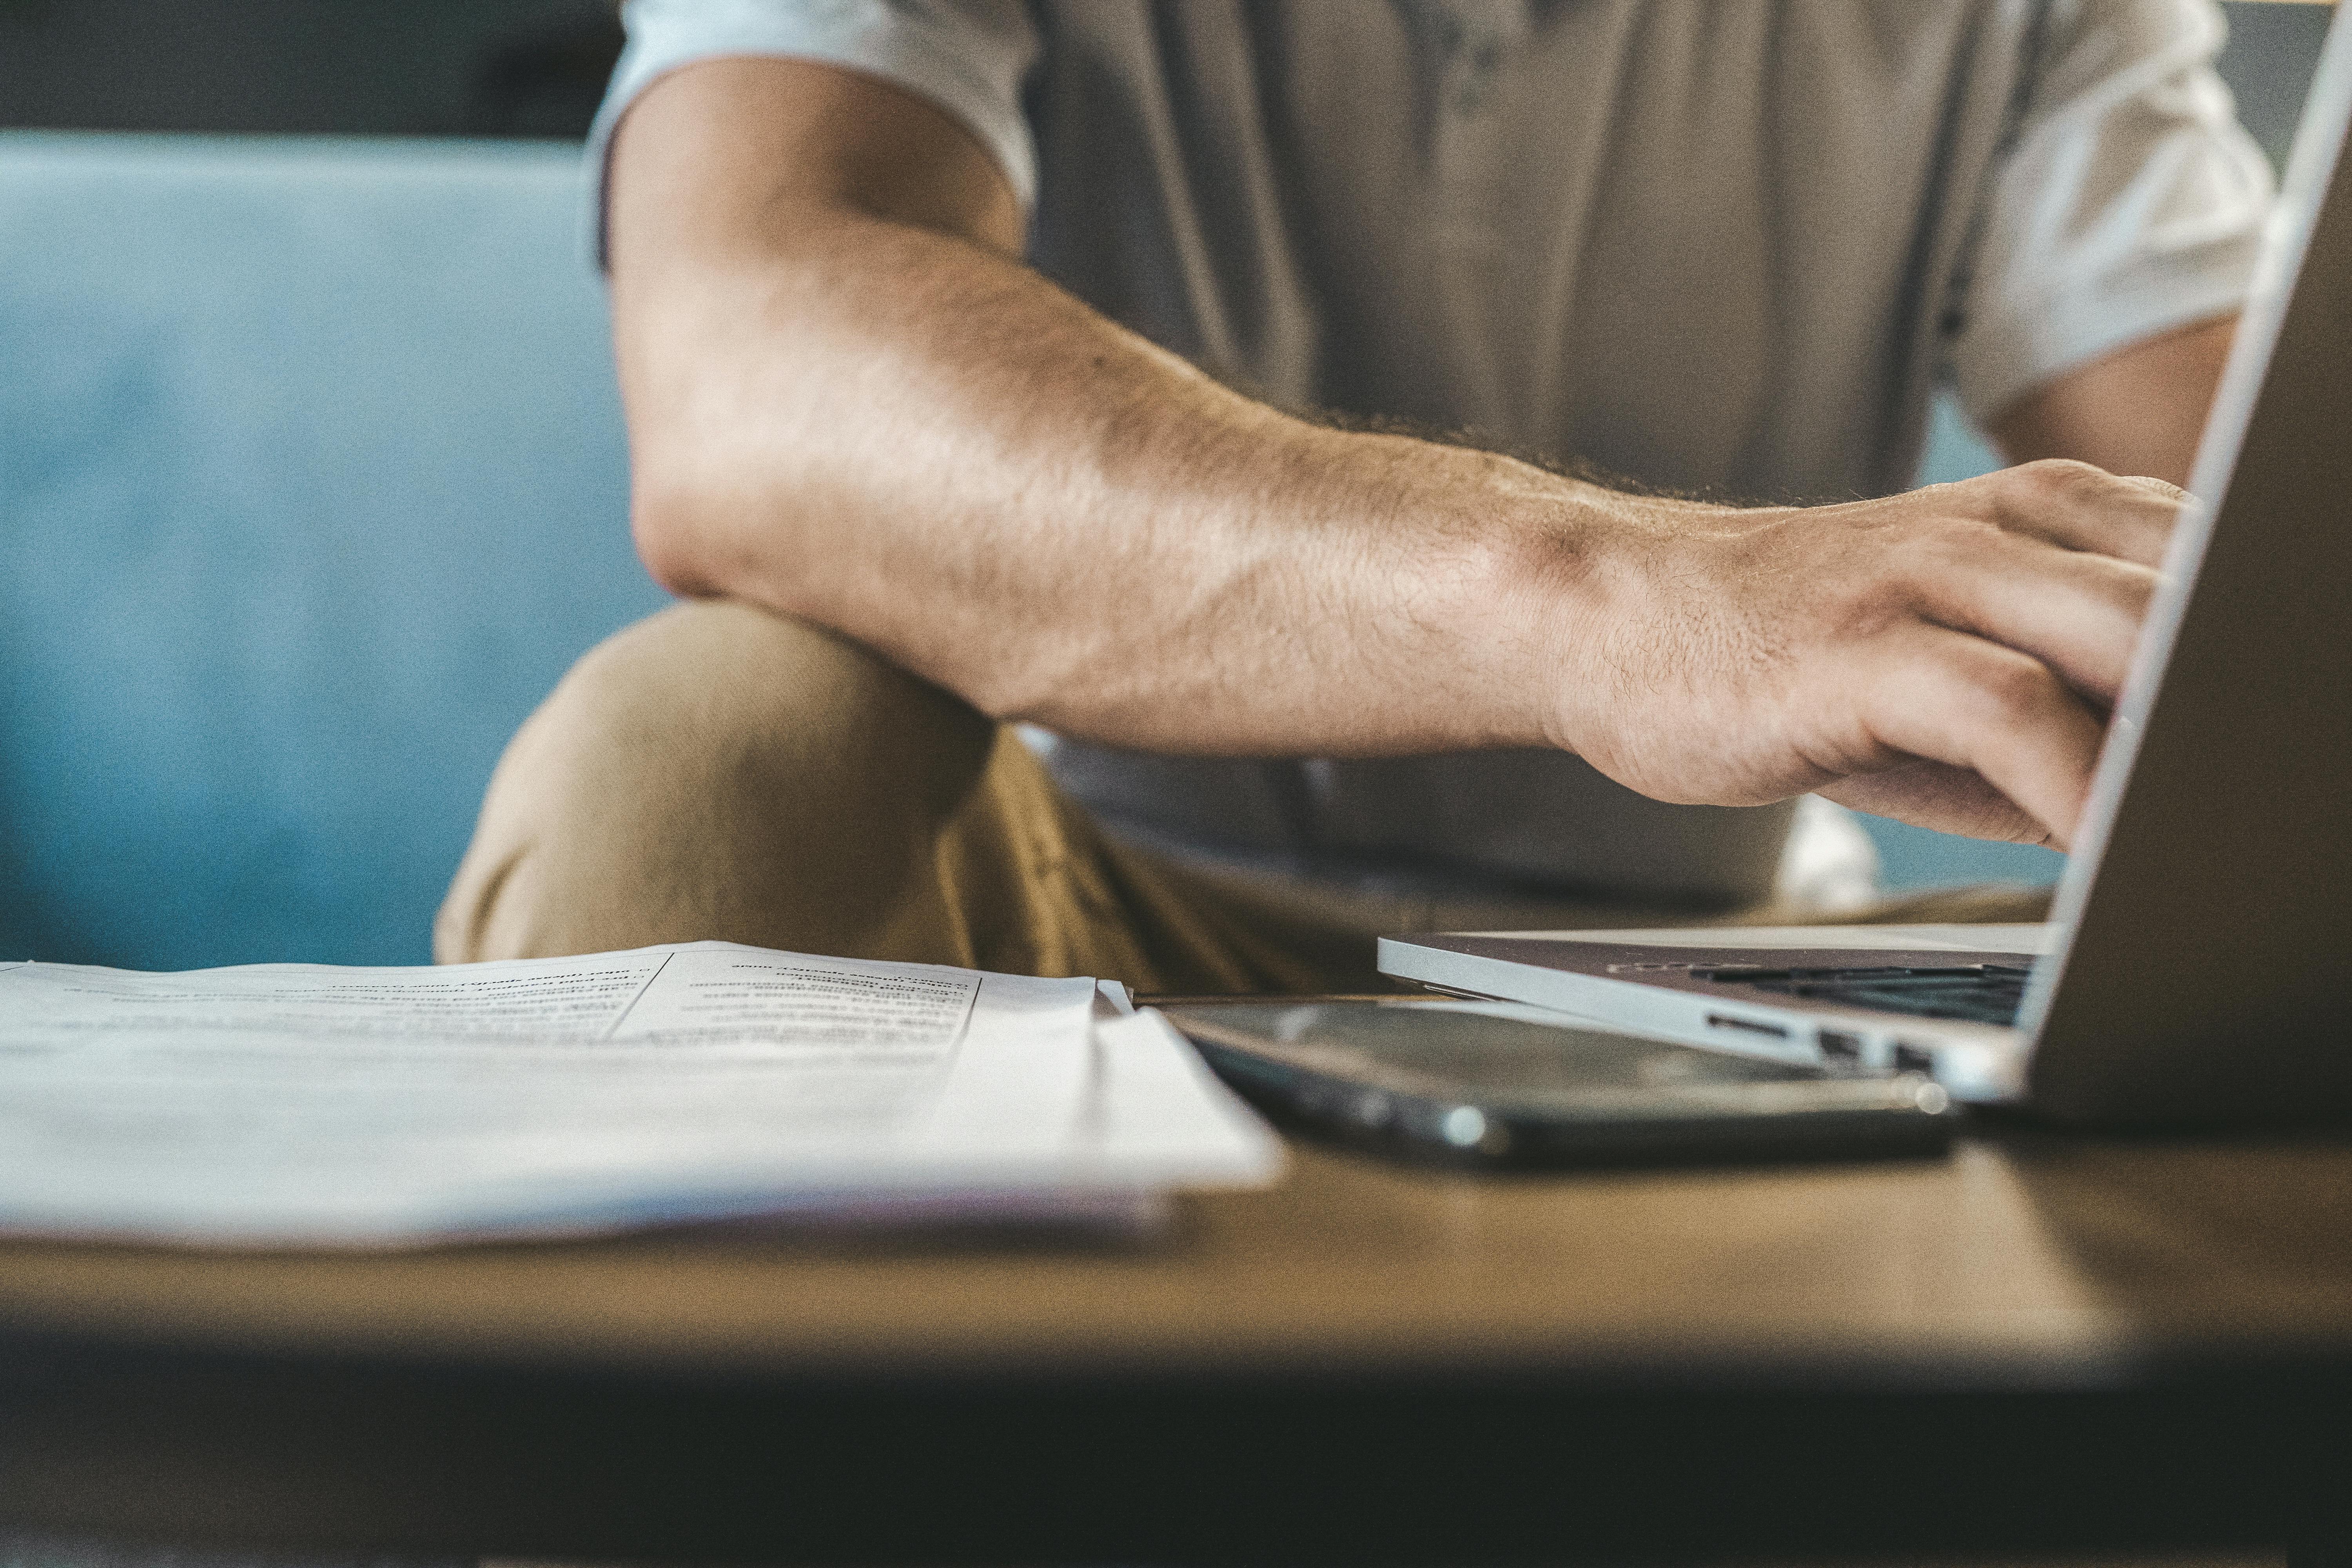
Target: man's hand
849, 402
1946, 656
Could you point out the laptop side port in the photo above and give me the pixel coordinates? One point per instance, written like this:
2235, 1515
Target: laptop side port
1913, 1059
1840, 1048
1747, 1026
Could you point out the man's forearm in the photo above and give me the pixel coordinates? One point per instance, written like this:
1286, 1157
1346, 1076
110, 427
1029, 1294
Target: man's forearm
848, 403
928, 447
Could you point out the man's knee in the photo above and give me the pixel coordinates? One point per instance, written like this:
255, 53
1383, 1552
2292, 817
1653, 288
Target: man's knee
713, 771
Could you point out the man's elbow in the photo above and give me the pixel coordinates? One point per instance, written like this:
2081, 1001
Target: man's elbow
735, 535
673, 528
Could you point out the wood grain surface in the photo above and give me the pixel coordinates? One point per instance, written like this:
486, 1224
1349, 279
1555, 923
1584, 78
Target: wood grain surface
2040, 1344
2031, 1251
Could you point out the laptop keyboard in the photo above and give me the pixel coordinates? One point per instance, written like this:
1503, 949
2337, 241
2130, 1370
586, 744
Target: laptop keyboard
1977, 992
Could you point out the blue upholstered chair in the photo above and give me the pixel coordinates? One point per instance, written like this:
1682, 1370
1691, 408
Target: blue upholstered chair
311, 484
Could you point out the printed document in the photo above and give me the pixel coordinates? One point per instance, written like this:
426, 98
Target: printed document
302, 1104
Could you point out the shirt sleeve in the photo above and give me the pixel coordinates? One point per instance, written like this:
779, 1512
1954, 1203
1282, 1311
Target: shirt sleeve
2128, 202
969, 57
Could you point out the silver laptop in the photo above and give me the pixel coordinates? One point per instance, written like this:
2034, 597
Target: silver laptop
2198, 966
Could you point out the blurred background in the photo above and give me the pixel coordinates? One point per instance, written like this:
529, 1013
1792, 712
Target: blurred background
536, 67
312, 478
418, 68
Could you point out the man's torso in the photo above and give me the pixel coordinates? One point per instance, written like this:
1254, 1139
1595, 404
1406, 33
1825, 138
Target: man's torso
1709, 249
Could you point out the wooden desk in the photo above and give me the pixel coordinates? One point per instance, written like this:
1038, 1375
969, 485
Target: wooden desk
2039, 1344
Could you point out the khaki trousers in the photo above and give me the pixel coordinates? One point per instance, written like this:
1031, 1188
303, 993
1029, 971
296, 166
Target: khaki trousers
717, 772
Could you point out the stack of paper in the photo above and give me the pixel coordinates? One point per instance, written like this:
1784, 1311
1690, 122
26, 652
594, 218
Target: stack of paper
309, 1105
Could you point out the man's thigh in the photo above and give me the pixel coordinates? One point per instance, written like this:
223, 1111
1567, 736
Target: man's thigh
717, 772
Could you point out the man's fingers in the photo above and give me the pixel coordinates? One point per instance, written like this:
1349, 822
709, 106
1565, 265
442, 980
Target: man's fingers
2076, 612
2163, 488
1959, 700
1939, 796
2078, 507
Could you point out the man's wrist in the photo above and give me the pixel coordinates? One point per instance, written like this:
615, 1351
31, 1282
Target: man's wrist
1579, 569
1508, 583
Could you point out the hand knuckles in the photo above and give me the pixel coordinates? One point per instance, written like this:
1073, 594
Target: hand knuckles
1920, 562
2128, 585
2104, 582
2055, 478
2163, 490
1952, 538
2012, 688
1867, 605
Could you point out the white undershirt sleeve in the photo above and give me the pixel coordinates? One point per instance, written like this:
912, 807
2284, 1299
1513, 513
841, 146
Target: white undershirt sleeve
2130, 202
969, 57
